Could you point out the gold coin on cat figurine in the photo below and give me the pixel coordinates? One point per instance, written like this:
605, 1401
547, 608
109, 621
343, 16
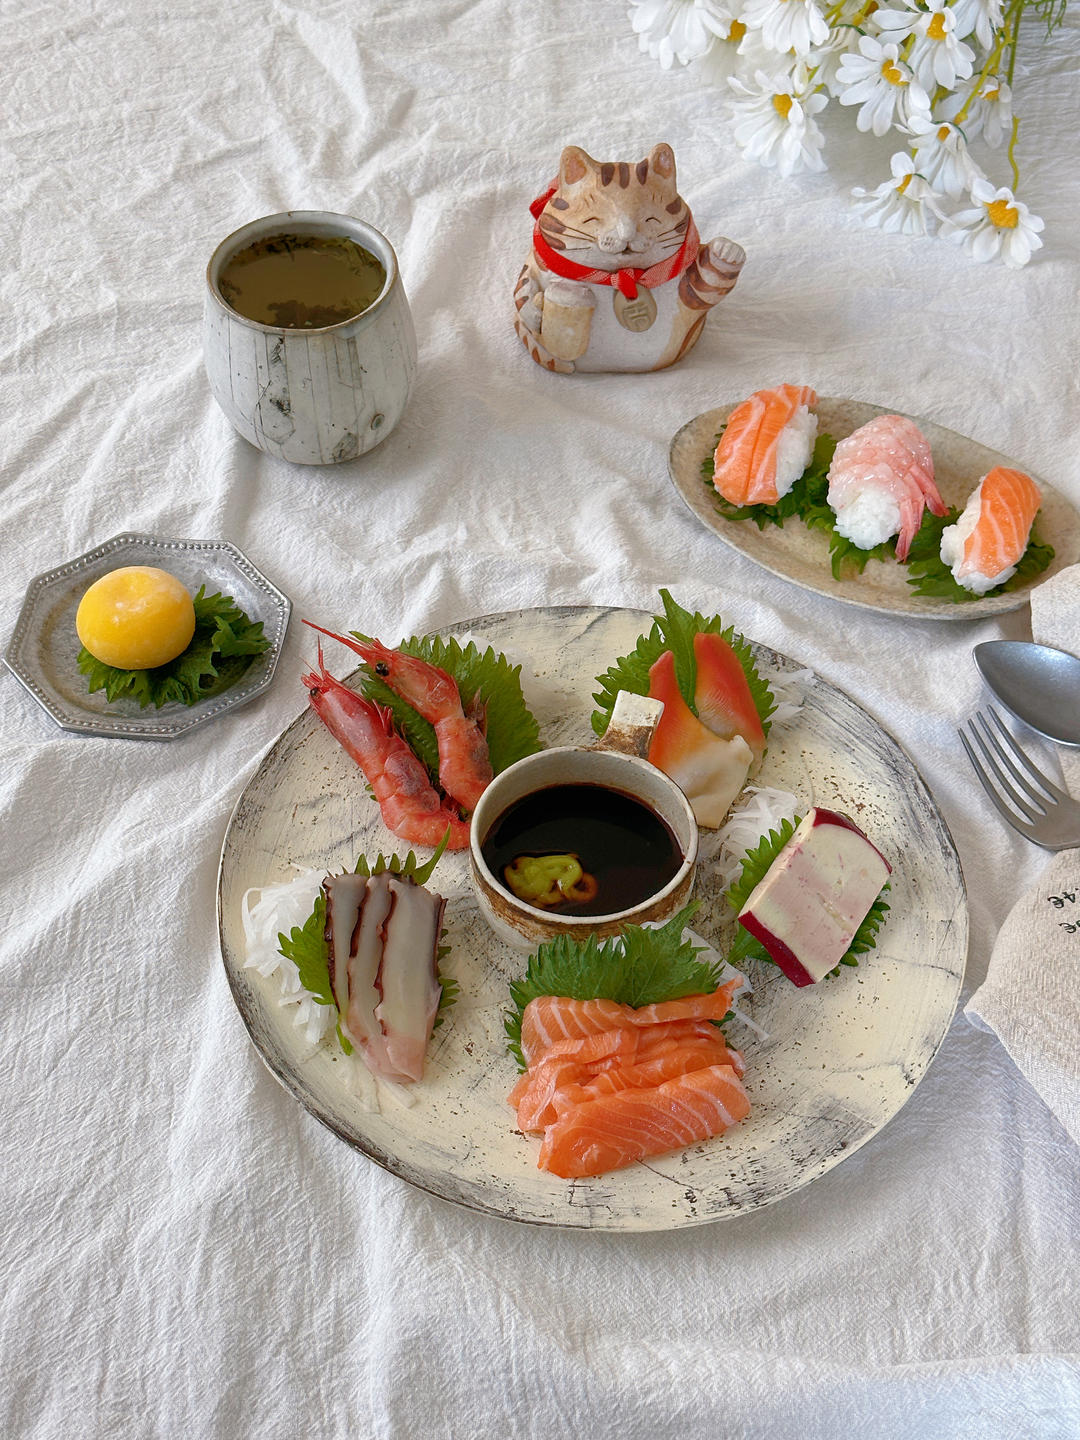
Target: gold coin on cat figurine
637, 314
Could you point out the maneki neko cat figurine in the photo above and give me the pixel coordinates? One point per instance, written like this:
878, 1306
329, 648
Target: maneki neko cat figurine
617, 278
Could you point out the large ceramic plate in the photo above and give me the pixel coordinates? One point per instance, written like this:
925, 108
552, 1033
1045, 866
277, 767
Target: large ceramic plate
840, 1060
802, 556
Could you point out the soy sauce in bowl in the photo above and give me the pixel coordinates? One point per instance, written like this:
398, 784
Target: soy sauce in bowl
623, 844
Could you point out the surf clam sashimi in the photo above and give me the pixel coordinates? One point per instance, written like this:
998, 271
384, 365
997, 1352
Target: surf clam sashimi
983, 547
880, 480
710, 755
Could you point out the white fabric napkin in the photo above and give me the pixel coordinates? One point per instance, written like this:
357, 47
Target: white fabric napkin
1031, 996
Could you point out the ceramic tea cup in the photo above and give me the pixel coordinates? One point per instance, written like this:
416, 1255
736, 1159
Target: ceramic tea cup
315, 396
523, 925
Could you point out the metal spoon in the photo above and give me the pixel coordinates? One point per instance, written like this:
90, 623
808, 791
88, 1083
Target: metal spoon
1041, 686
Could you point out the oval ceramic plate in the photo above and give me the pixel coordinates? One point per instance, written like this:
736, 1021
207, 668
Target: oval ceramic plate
43, 649
802, 556
840, 1060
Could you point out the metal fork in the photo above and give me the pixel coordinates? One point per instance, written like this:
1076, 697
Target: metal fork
1047, 815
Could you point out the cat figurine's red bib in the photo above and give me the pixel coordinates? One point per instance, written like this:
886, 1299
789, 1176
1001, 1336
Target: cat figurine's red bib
618, 278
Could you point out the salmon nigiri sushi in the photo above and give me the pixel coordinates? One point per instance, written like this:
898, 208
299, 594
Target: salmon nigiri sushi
766, 445
986, 542
880, 480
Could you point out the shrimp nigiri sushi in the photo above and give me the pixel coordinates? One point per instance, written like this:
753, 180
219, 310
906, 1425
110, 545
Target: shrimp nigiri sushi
766, 445
986, 542
880, 480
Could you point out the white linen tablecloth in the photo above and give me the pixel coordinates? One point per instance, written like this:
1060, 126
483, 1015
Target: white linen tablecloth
185, 1251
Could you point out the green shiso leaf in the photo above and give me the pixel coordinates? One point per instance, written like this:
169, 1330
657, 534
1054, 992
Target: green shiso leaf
638, 967
223, 646
929, 575
755, 866
484, 679
674, 630
308, 948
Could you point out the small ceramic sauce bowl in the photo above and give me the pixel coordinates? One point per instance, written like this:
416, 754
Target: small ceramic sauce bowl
525, 926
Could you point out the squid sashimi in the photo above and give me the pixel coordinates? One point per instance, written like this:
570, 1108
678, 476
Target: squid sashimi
710, 769
766, 445
993, 530
722, 694
880, 480
612, 1131
550, 1020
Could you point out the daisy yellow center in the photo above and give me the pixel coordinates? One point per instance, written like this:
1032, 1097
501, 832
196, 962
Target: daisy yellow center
782, 104
904, 183
1004, 215
936, 29
737, 31
893, 75
943, 133
992, 95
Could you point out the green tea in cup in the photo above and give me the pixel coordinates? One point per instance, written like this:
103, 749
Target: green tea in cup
301, 281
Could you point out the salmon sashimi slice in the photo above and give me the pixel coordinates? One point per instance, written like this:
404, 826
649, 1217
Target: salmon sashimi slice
992, 533
616, 1130
550, 1020
722, 694
540, 1094
766, 445
710, 769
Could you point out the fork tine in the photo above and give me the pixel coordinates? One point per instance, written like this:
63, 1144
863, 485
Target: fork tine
1024, 759
995, 799
988, 742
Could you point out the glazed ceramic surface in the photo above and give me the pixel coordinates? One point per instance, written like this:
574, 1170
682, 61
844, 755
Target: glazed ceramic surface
315, 397
840, 1059
44, 647
802, 556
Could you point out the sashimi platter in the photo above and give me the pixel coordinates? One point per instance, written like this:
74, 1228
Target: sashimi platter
870, 507
748, 1036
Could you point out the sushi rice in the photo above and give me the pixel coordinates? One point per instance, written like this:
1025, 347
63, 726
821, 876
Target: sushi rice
794, 449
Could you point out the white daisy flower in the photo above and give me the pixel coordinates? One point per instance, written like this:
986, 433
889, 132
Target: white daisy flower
741, 49
979, 18
941, 155
938, 56
785, 25
774, 121
900, 205
987, 111
826, 59
999, 225
875, 79
682, 30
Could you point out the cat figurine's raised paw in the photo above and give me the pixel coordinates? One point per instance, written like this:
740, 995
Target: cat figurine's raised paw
617, 278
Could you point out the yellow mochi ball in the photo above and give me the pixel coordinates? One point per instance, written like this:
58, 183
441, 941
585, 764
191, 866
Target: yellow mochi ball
136, 618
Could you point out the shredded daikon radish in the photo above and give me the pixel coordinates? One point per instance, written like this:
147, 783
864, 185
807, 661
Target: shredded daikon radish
268, 911
788, 688
763, 810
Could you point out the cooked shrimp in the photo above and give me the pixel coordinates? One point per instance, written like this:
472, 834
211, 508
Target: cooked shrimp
409, 803
464, 763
